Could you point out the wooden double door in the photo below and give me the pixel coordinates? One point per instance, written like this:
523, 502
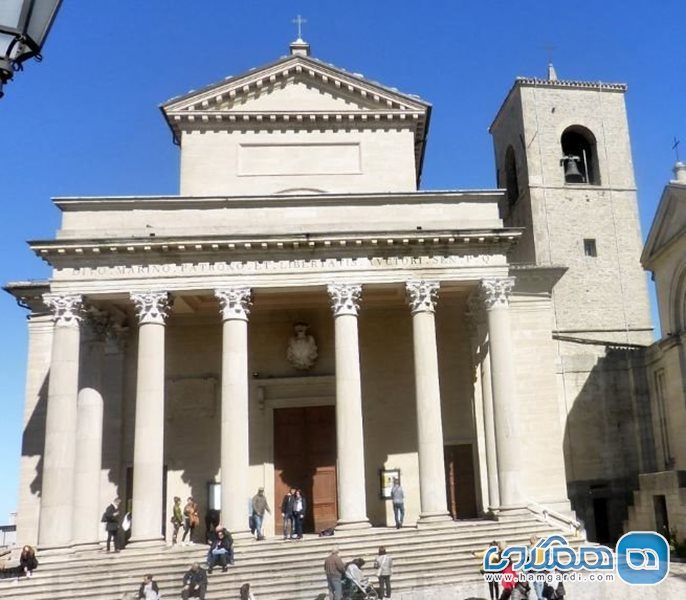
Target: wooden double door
460, 481
305, 458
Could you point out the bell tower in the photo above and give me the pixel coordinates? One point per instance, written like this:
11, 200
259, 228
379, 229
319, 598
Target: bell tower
563, 157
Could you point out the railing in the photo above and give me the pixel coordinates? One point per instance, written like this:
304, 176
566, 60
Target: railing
575, 526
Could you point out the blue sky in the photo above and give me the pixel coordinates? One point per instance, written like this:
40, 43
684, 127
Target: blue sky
86, 122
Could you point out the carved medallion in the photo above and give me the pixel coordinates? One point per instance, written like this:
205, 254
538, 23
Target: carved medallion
302, 348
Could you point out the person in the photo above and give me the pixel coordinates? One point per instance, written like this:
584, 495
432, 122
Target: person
520, 591
334, 569
537, 585
384, 565
287, 513
353, 572
299, 507
508, 582
111, 518
245, 593
493, 588
398, 500
259, 507
191, 519
212, 519
27, 561
220, 551
176, 519
194, 583
149, 589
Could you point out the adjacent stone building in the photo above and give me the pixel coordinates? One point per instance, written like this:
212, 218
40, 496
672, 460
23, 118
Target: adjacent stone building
302, 314
660, 503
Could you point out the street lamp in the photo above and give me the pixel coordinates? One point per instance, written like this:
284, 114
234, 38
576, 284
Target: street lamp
24, 25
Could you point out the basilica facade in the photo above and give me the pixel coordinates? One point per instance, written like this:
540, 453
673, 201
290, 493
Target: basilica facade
303, 315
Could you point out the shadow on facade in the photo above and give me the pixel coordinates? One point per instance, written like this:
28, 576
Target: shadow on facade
33, 440
607, 438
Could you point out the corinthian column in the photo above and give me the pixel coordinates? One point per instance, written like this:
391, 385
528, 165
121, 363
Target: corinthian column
422, 297
57, 491
87, 509
152, 309
235, 306
352, 501
495, 294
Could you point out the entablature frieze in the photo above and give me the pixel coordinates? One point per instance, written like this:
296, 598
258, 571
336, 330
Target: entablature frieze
174, 277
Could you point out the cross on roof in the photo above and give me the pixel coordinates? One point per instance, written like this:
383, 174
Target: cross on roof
675, 147
299, 22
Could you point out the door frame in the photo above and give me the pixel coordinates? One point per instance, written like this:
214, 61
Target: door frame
266, 395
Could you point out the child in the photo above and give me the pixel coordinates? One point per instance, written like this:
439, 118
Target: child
384, 564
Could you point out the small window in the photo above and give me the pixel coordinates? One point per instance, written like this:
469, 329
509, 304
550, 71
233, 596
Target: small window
579, 157
511, 182
590, 248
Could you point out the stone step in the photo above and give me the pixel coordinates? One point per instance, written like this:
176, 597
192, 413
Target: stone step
276, 568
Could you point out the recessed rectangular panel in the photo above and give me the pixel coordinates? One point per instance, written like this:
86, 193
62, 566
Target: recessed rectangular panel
298, 159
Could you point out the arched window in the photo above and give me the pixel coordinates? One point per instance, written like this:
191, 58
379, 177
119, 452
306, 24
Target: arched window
511, 183
579, 156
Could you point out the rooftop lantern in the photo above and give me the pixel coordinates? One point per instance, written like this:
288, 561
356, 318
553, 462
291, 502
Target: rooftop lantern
24, 25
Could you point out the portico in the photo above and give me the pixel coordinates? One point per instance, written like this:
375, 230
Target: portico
148, 457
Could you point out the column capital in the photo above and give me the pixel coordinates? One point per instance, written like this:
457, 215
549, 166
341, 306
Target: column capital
67, 309
345, 298
495, 292
234, 302
151, 307
422, 296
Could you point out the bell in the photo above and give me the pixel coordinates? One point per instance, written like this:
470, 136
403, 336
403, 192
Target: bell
572, 173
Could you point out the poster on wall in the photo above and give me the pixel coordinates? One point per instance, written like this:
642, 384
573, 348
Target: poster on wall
388, 476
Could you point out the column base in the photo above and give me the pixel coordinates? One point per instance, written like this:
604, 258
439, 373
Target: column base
352, 525
428, 520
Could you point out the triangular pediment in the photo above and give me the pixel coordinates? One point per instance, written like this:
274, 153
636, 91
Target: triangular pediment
295, 95
299, 92
296, 84
669, 222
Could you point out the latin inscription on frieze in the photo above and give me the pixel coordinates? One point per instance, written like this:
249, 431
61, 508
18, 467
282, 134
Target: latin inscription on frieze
278, 266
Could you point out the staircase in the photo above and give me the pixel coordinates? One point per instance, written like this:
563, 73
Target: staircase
277, 569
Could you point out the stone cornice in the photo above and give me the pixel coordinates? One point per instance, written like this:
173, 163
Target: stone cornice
29, 294
338, 119
126, 203
561, 84
570, 83
65, 252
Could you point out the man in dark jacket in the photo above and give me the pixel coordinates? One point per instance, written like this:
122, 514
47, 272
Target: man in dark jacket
221, 551
299, 508
111, 518
194, 583
287, 513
